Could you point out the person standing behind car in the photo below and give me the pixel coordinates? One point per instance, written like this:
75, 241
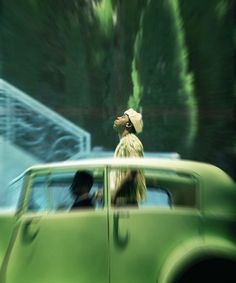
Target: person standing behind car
130, 186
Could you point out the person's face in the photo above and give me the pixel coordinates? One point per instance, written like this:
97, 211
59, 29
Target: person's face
120, 122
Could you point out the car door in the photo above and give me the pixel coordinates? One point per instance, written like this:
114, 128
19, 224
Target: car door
8, 207
144, 236
53, 243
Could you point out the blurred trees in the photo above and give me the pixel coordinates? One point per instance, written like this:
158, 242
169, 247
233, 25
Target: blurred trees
211, 59
126, 17
91, 59
162, 85
21, 45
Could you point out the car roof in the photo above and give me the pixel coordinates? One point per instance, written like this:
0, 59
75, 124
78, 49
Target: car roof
188, 165
145, 161
205, 170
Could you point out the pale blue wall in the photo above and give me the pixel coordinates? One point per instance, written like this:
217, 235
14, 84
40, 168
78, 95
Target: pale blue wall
13, 162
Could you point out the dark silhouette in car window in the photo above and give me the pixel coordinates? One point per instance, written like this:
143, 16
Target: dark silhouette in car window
80, 188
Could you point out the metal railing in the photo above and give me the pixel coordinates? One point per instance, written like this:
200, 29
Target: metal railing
39, 130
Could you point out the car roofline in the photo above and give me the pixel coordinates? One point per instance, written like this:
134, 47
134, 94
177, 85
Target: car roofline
111, 162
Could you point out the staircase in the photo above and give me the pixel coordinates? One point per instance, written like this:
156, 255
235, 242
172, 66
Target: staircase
31, 133
38, 130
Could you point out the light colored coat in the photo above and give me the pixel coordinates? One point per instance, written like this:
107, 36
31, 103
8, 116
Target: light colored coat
130, 146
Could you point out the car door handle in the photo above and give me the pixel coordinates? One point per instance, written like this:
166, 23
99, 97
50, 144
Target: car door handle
31, 229
121, 238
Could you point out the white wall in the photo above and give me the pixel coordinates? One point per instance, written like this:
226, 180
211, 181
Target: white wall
13, 161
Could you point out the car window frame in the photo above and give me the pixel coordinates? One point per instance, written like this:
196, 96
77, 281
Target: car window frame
49, 171
188, 173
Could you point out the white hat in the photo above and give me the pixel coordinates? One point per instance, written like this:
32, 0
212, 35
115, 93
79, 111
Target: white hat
136, 119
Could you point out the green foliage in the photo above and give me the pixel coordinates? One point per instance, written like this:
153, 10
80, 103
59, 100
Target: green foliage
162, 84
17, 35
221, 8
211, 43
90, 59
76, 75
104, 12
118, 54
134, 100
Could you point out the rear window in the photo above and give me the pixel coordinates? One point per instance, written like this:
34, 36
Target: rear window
170, 189
164, 188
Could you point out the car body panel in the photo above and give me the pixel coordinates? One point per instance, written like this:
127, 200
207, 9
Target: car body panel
60, 248
142, 240
123, 244
195, 250
7, 222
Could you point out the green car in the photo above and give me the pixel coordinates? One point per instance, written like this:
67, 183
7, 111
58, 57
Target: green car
184, 230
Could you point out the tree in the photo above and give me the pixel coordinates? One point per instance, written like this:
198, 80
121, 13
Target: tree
209, 27
162, 86
21, 46
119, 54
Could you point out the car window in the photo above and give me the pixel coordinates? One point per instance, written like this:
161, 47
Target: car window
52, 192
164, 188
156, 197
178, 189
59, 191
39, 194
